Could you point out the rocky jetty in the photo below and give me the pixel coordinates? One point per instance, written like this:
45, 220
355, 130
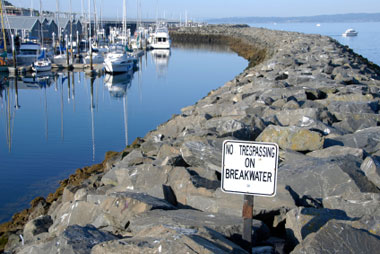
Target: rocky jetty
317, 99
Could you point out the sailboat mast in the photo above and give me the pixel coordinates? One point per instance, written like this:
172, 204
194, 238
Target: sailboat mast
124, 23
57, 20
42, 27
2, 26
89, 33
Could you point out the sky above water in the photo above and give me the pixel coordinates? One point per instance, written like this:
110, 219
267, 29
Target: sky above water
203, 9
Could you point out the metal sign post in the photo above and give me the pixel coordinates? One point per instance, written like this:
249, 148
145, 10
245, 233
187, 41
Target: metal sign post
249, 168
247, 221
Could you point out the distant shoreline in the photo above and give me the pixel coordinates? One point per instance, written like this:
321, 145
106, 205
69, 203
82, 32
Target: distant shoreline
335, 18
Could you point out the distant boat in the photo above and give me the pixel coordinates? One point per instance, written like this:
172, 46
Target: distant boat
318, 24
42, 64
28, 53
350, 32
160, 38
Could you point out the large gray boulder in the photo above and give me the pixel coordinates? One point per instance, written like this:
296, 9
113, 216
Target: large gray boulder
227, 225
202, 154
366, 139
355, 205
169, 239
301, 221
74, 240
336, 151
37, 226
338, 237
371, 168
331, 176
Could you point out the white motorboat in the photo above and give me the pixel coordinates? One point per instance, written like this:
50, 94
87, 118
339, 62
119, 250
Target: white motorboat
28, 53
118, 60
350, 32
42, 64
160, 38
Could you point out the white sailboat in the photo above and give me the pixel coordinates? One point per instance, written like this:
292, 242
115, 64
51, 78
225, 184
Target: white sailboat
43, 63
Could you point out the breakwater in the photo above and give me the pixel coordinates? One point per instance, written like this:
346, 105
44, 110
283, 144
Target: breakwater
314, 97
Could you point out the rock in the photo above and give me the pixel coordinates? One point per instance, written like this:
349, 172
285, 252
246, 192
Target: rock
74, 240
331, 176
371, 168
366, 139
37, 226
336, 151
353, 107
202, 154
145, 178
339, 237
226, 126
227, 225
350, 123
294, 138
166, 239
295, 116
355, 205
301, 221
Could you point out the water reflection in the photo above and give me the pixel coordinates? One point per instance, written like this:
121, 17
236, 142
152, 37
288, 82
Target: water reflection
161, 60
117, 86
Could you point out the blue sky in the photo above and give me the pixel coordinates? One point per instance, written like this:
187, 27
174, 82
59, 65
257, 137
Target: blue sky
200, 9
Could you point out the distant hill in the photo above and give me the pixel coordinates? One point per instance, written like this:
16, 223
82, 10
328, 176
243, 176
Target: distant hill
337, 18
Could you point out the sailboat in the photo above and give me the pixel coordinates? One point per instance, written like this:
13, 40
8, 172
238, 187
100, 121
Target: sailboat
97, 56
43, 63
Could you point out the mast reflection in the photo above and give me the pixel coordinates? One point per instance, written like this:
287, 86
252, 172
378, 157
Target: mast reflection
118, 85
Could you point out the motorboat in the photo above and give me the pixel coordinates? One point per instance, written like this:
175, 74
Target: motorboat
118, 60
28, 53
160, 38
350, 32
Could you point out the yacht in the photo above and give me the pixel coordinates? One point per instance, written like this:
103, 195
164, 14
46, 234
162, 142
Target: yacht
160, 38
350, 32
118, 61
28, 53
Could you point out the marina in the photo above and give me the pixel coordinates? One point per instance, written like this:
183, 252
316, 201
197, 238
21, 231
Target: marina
53, 124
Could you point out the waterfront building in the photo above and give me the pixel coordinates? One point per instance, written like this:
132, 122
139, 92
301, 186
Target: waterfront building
23, 26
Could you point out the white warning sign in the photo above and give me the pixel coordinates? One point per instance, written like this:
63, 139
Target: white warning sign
249, 167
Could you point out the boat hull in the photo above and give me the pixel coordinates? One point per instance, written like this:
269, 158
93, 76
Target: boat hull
41, 66
118, 66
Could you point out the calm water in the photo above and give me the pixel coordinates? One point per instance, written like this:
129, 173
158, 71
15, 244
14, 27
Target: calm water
367, 43
55, 125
